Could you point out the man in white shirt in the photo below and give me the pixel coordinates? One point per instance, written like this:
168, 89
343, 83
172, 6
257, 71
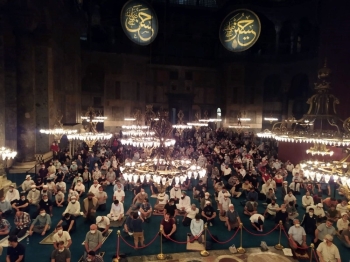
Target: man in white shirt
297, 236
94, 187
223, 193
227, 172
162, 200
327, 251
175, 193
224, 205
289, 167
184, 202
190, 214
119, 194
342, 207
33, 196
73, 207
26, 185
257, 221
307, 200
12, 194
289, 198
271, 209
117, 211
103, 223
61, 235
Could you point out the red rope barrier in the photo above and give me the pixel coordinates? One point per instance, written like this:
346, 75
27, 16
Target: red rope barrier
315, 255
142, 246
178, 242
224, 241
268, 233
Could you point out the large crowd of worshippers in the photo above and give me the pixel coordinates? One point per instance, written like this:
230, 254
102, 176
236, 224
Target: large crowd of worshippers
239, 166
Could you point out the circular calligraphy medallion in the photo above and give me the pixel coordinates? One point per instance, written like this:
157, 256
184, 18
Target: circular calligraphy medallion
139, 22
239, 30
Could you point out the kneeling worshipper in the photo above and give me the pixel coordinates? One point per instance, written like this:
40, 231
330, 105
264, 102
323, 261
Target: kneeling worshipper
44, 223
327, 251
162, 200
196, 227
232, 218
5, 227
297, 236
68, 223
117, 211
103, 223
73, 207
345, 236
34, 196
90, 205
145, 210
139, 198
22, 223
63, 236
184, 202
309, 222
208, 213
342, 222
190, 215
168, 227
257, 221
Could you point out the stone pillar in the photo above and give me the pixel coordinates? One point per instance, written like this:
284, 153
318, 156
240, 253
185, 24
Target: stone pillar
2, 86
26, 118
278, 27
43, 67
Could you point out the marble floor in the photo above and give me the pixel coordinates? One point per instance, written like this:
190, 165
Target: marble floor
251, 255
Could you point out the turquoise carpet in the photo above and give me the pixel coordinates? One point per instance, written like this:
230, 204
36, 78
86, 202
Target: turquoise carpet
37, 252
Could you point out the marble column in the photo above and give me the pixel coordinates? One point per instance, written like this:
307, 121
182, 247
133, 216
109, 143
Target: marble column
26, 118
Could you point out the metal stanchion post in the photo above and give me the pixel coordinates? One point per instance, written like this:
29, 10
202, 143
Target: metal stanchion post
161, 256
241, 250
312, 246
205, 253
279, 246
116, 259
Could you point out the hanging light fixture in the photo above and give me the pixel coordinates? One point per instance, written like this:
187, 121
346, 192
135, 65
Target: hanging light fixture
58, 131
6, 153
320, 125
181, 126
91, 135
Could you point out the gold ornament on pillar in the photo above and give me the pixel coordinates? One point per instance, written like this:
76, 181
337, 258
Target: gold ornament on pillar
320, 126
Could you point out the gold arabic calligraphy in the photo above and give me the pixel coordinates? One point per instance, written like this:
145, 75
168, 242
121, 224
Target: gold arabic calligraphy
240, 30
139, 22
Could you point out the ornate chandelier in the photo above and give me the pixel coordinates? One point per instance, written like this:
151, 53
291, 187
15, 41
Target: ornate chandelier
158, 164
7, 153
320, 125
90, 136
58, 131
181, 126
148, 135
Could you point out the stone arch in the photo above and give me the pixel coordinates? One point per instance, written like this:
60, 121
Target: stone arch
272, 88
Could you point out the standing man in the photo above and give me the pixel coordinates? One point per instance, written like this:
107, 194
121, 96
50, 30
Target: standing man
232, 218
15, 251
89, 207
93, 240
327, 251
168, 227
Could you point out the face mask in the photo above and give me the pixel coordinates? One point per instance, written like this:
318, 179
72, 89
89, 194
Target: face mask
11, 190
297, 225
33, 189
88, 259
73, 201
23, 198
60, 231
142, 193
182, 197
42, 214
79, 184
92, 231
324, 240
45, 200
61, 250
